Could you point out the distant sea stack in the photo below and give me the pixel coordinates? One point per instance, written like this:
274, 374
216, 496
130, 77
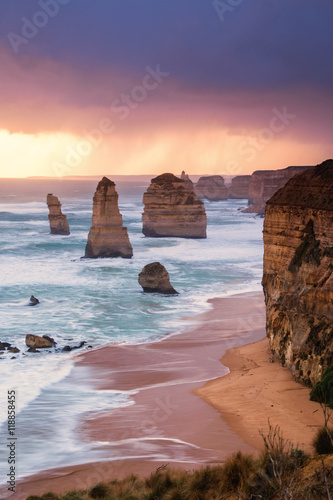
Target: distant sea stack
298, 273
188, 184
239, 188
107, 236
58, 221
211, 188
172, 210
264, 183
154, 278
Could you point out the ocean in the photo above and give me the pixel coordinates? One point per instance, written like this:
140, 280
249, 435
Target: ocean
97, 301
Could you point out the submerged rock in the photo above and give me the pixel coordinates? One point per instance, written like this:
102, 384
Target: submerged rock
5, 345
68, 348
33, 301
154, 278
172, 210
211, 188
107, 236
58, 221
298, 273
35, 341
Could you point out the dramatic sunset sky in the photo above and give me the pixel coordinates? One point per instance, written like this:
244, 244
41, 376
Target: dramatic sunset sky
148, 86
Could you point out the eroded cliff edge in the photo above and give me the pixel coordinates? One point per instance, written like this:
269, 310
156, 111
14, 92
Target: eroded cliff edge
297, 279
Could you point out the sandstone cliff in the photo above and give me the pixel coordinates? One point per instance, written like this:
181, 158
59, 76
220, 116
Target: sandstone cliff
298, 279
211, 188
172, 210
58, 221
154, 278
239, 188
107, 236
264, 183
188, 184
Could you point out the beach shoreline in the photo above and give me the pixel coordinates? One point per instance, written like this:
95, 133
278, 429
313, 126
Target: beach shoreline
168, 422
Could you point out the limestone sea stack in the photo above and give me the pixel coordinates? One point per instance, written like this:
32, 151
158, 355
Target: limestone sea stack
172, 210
239, 189
298, 267
58, 221
154, 278
264, 183
211, 188
107, 236
188, 184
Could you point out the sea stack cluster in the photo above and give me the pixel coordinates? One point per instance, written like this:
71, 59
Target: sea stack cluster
172, 210
107, 236
298, 273
58, 221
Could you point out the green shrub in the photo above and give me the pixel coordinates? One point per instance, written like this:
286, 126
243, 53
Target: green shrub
323, 441
323, 390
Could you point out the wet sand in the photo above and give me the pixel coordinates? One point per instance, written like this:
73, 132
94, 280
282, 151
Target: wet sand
168, 422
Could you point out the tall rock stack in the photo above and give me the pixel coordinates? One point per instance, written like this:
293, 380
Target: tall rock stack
188, 184
58, 221
239, 188
107, 236
211, 188
298, 273
172, 210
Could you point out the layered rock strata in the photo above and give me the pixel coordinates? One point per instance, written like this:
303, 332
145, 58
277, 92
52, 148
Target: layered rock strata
154, 278
172, 210
188, 184
264, 183
107, 236
239, 188
211, 188
58, 221
298, 279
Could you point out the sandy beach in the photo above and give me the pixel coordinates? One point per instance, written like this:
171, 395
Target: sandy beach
167, 422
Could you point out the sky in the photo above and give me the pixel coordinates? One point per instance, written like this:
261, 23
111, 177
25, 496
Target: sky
227, 87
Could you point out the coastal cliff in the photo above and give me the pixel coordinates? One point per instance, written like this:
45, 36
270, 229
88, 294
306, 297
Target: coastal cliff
297, 278
172, 210
239, 188
107, 236
264, 183
211, 188
58, 221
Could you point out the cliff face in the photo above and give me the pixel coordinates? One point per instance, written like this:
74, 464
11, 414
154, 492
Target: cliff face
107, 236
211, 188
239, 188
58, 221
172, 210
188, 184
264, 183
298, 279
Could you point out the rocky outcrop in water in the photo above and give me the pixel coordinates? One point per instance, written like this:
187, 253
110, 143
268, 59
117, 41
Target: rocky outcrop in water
154, 278
264, 183
58, 221
239, 188
36, 342
107, 236
211, 188
33, 301
172, 210
298, 279
188, 184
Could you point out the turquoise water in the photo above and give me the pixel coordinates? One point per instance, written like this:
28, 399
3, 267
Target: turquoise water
99, 301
